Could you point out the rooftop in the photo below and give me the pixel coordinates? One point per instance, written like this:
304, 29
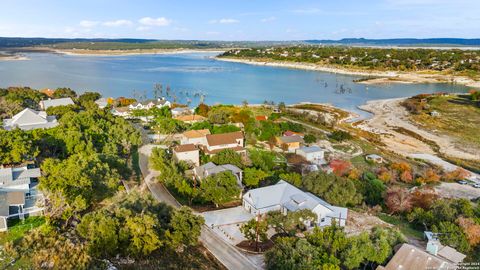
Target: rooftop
290, 139
185, 148
224, 138
30, 119
196, 133
411, 257
193, 117
211, 168
310, 149
45, 104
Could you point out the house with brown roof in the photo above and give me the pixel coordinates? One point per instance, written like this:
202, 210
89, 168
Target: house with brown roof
289, 143
188, 153
190, 119
293, 133
197, 137
411, 257
218, 142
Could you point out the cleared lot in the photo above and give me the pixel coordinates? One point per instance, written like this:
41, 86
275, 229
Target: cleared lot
455, 190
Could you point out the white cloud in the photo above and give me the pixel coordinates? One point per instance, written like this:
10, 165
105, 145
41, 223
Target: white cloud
161, 21
88, 24
225, 21
307, 11
117, 23
143, 28
269, 19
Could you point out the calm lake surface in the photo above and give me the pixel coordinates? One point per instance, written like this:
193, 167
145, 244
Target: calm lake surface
187, 74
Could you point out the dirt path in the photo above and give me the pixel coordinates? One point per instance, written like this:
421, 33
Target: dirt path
390, 117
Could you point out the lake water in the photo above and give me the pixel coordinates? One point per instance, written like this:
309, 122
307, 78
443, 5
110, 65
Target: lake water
187, 74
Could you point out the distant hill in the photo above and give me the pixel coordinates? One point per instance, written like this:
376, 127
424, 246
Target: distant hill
400, 42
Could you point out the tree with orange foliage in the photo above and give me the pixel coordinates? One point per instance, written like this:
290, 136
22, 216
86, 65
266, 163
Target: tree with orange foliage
340, 167
424, 197
406, 177
471, 229
401, 167
398, 200
430, 176
457, 174
354, 174
384, 174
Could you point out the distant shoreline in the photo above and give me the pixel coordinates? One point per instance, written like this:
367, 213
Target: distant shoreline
86, 52
373, 77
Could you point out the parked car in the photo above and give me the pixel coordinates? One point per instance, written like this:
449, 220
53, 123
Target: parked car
476, 185
462, 182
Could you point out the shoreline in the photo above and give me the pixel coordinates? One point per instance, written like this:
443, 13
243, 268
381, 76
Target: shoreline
86, 52
377, 77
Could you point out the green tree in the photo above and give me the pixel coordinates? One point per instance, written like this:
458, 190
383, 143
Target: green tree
101, 231
64, 93
59, 111
264, 160
228, 156
292, 178
142, 231
255, 231
220, 115
309, 138
165, 125
87, 99
185, 227
253, 176
17, 146
220, 188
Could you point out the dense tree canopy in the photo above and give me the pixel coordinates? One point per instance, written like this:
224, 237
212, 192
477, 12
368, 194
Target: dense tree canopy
220, 188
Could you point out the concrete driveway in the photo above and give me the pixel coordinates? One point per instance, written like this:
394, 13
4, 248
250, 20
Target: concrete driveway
227, 216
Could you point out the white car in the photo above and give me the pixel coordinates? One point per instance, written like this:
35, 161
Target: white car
476, 185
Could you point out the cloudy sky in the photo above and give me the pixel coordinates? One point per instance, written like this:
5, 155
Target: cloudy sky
240, 20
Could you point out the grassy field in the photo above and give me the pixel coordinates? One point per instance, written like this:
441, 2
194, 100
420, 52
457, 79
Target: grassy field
405, 227
17, 228
459, 118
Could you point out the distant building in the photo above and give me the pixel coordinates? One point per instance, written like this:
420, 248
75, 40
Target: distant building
29, 119
197, 137
285, 197
261, 118
293, 133
188, 153
313, 154
434, 114
211, 169
102, 103
374, 158
190, 119
121, 111
18, 194
45, 104
149, 104
181, 111
289, 143
47, 91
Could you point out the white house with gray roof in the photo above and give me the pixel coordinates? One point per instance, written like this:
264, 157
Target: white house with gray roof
18, 194
285, 197
313, 154
29, 119
45, 104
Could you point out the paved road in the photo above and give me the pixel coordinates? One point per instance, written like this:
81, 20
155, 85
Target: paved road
228, 255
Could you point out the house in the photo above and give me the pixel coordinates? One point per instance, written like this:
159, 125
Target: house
18, 194
434, 114
313, 154
197, 137
218, 142
411, 257
285, 197
45, 104
149, 104
188, 153
190, 119
289, 143
293, 133
181, 111
374, 158
101, 103
47, 91
29, 119
435, 248
261, 118
210, 169
121, 111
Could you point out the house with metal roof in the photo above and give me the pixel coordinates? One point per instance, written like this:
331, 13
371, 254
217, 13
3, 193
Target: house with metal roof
29, 119
45, 104
19, 196
289, 143
313, 154
285, 197
101, 102
209, 169
149, 104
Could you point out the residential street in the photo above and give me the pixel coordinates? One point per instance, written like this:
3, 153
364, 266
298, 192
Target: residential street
228, 255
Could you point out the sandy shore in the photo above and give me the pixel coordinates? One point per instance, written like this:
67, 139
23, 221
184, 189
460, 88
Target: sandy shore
83, 52
389, 116
377, 77
13, 57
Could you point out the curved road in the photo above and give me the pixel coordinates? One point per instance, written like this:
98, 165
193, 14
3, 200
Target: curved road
228, 255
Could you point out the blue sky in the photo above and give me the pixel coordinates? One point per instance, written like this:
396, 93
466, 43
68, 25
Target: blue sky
241, 20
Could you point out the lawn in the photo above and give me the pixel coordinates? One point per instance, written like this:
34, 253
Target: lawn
405, 227
17, 228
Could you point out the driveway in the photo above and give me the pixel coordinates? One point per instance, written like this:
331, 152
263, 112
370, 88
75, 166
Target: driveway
227, 216
228, 255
